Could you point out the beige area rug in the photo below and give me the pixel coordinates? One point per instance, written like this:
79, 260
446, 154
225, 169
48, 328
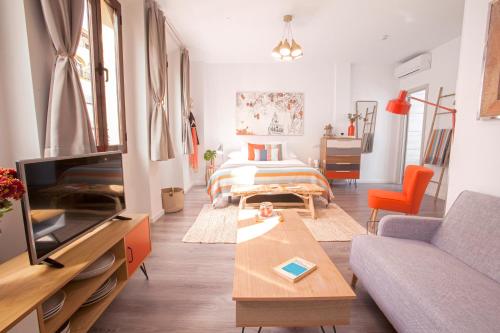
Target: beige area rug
213, 226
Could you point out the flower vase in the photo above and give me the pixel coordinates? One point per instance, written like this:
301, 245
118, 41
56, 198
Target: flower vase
351, 130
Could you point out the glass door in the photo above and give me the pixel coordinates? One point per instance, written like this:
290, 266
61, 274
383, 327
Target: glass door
414, 130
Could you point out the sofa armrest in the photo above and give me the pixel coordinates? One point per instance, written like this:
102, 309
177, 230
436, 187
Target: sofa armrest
409, 227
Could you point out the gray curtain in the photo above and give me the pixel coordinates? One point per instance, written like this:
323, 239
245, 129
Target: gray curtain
68, 130
161, 148
187, 139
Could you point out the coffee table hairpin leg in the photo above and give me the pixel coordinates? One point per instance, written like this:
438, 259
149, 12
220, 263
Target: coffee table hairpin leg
243, 329
323, 330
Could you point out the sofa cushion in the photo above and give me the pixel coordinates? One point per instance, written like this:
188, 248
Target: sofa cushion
423, 289
471, 232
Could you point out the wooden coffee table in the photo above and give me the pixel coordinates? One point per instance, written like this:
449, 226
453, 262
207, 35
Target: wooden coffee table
265, 299
305, 192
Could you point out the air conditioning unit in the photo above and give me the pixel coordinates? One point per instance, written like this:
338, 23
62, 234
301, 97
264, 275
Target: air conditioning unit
414, 65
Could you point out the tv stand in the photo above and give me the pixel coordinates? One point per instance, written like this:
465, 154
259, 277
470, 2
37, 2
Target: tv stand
24, 287
52, 263
121, 218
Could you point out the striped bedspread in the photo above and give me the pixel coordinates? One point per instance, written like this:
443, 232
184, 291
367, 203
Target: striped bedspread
221, 181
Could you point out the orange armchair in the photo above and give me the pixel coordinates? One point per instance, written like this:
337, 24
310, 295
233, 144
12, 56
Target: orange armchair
415, 181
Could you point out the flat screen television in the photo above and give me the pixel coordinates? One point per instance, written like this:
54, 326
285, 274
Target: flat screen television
68, 197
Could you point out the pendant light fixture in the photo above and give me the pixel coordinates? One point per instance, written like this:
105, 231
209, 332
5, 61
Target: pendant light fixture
287, 49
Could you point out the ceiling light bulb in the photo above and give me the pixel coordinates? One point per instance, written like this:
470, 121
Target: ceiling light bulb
287, 58
296, 50
276, 51
285, 48
298, 56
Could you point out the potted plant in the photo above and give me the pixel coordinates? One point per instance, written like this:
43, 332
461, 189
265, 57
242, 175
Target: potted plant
210, 156
11, 188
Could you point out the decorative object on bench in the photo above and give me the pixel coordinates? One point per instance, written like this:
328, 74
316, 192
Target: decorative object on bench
266, 209
269, 113
435, 275
340, 157
490, 100
304, 192
415, 181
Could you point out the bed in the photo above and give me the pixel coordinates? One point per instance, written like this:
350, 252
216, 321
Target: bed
241, 171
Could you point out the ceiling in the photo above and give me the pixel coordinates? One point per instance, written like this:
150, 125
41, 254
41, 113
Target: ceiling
224, 31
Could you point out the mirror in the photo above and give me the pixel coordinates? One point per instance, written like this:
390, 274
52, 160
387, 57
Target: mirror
367, 111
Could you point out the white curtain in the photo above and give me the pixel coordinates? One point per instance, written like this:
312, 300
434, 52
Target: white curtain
68, 129
161, 148
187, 139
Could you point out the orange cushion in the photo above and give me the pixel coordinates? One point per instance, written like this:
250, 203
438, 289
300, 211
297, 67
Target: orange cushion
388, 200
251, 150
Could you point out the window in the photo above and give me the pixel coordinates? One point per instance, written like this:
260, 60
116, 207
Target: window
100, 67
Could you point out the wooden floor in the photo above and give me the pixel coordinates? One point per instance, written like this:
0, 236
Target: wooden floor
190, 284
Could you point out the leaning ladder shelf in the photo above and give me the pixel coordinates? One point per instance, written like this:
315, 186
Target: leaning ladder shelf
438, 113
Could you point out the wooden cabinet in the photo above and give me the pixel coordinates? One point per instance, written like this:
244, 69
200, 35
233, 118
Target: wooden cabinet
340, 157
24, 287
137, 245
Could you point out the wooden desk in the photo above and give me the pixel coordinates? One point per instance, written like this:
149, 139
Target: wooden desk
264, 298
305, 192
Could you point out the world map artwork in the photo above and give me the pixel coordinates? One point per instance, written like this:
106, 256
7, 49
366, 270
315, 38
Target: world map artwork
269, 113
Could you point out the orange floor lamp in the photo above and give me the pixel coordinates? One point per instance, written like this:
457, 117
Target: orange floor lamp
401, 105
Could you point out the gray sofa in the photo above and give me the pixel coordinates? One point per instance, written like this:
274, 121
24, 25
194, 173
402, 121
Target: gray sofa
436, 275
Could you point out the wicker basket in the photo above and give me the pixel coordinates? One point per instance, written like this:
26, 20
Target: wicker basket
172, 199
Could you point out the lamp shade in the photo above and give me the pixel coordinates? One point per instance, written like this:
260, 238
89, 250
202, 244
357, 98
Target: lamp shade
276, 51
399, 105
296, 50
285, 48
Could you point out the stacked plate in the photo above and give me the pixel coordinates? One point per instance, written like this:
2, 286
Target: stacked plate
53, 305
102, 292
65, 328
98, 267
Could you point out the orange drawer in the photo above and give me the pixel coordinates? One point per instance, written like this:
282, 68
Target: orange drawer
137, 246
342, 174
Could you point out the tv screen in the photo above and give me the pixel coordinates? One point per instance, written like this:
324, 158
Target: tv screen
68, 197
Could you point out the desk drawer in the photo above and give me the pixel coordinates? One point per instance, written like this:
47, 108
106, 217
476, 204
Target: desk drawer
342, 174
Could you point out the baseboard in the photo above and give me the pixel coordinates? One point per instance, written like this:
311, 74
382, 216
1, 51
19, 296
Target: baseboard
156, 216
375, 181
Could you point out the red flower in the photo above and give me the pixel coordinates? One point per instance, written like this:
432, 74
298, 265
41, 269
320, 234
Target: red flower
8, 173
10, 187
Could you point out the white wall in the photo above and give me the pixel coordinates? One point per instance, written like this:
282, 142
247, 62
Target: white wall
330, 90
377, 82
443, 73
19, 132
475, 160
222, 81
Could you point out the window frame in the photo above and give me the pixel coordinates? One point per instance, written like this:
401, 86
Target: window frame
100, 74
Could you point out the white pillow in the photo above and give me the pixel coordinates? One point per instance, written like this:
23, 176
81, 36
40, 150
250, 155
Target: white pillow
237, 155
